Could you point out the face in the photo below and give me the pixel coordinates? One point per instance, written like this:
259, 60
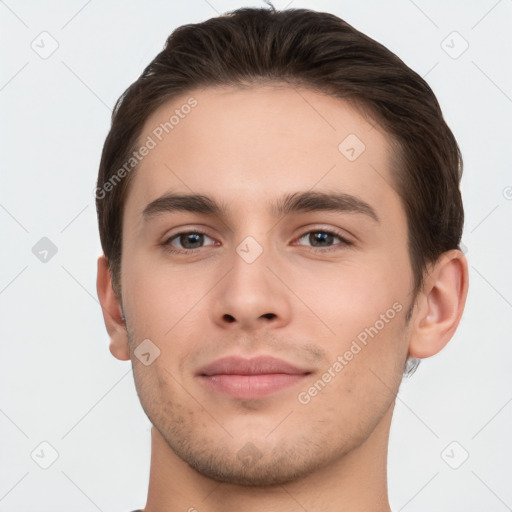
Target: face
274, 303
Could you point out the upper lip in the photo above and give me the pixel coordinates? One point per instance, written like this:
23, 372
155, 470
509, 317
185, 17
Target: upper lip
254, 366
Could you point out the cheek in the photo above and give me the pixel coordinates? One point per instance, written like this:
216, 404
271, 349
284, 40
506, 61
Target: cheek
365, 360
156, 297
352, 298
155, 392
365, 311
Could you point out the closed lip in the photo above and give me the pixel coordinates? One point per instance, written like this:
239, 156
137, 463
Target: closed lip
260, 365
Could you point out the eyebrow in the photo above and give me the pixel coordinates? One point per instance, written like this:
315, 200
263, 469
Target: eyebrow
322, 201
194, 203
299, 202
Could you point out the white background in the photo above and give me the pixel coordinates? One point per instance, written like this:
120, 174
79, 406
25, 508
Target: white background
58, 380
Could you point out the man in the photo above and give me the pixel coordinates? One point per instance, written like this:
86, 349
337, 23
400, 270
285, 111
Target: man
279, 209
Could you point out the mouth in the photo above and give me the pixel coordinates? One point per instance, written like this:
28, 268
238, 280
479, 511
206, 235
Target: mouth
250, 379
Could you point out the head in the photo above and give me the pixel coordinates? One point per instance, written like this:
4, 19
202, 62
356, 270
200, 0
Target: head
315, 213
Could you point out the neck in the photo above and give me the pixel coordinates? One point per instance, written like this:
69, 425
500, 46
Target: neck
355, 482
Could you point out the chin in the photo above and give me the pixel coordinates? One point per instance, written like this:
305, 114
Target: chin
255, 464
251, 474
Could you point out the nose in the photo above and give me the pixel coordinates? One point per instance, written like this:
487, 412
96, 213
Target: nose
250, 296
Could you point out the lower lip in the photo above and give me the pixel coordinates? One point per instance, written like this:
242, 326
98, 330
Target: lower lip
247, 387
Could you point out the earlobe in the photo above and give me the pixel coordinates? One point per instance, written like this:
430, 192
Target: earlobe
112, 312
440, 305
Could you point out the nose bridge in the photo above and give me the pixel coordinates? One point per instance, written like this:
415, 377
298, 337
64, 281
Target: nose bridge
250, 295
249, 266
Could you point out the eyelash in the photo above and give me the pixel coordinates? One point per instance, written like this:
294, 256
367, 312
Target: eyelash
343, 241
168, 247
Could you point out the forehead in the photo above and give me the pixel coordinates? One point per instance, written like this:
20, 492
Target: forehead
261, 141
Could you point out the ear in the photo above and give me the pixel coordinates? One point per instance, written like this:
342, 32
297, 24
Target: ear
439, 305
112, 312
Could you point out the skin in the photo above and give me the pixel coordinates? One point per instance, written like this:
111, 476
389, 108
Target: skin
245, 148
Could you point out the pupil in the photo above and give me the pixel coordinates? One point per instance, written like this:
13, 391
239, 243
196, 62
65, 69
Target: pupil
321, 237
191, 240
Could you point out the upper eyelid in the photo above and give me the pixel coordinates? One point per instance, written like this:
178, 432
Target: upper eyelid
183, 231
345, 236
344, 239
168, 239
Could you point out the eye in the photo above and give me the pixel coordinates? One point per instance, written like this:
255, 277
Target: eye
187, 241
325, 240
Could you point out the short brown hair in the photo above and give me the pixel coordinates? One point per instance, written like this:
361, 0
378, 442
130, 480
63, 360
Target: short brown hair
323, 53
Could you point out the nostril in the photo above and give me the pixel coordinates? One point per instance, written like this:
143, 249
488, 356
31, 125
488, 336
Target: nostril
229, 318
270, 316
